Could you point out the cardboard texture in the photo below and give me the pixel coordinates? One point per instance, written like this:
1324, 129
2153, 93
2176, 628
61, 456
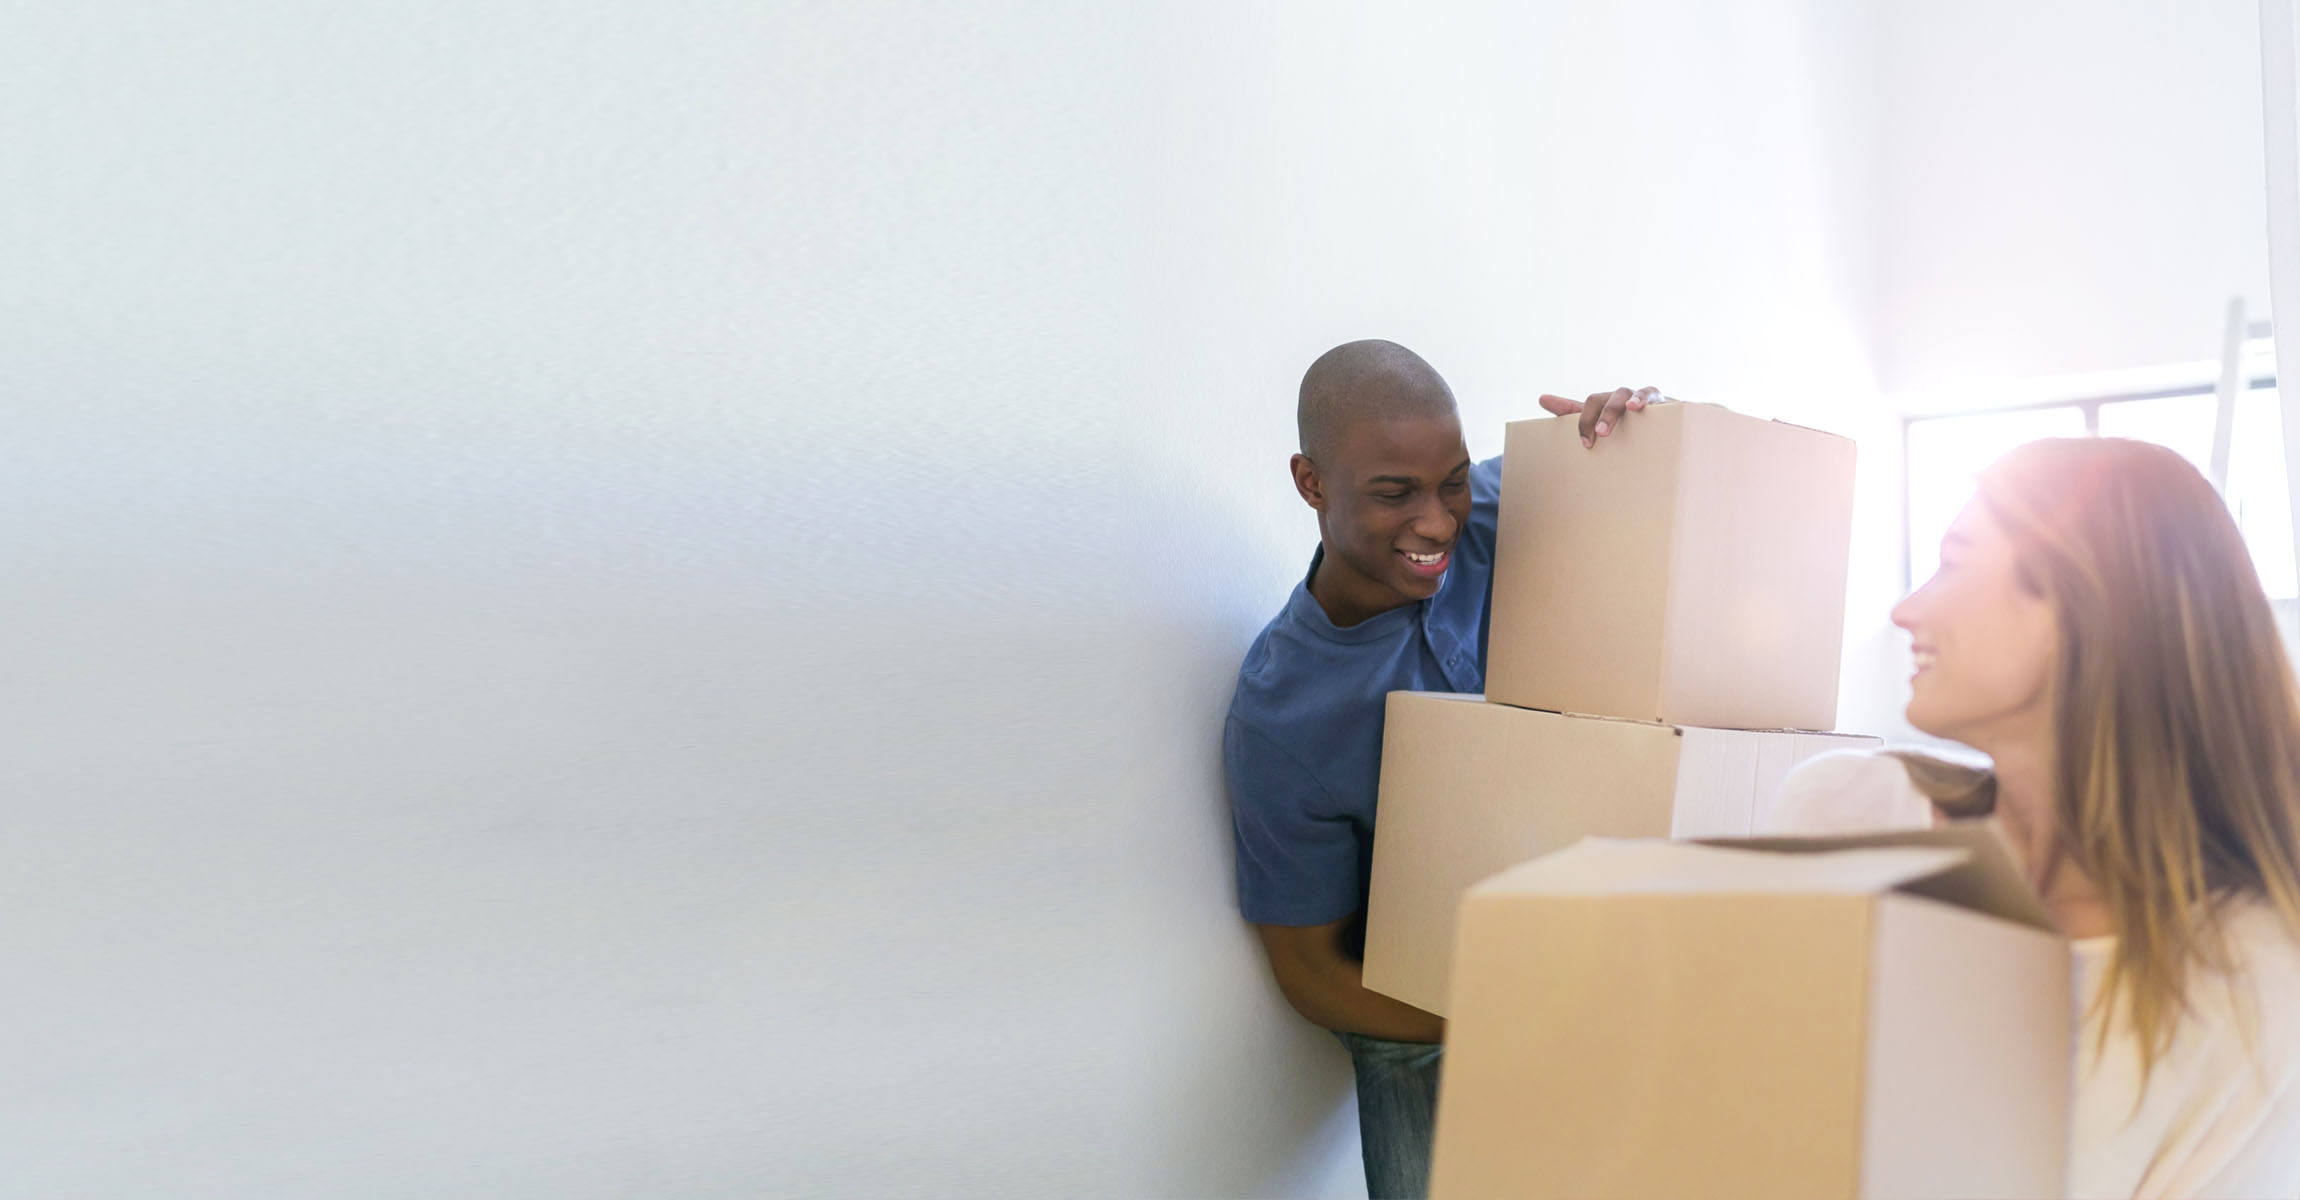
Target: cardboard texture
1879, 1016
1469, 788
1689, 569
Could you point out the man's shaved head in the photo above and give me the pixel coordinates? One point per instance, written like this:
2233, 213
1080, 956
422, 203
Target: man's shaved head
1383, 463
1372, 380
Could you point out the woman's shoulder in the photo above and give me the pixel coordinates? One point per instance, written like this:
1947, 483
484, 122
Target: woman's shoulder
2262, 946
2255, 990
2234, 1069
1848, 791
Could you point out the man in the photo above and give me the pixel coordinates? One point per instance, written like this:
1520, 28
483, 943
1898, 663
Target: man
1395, 600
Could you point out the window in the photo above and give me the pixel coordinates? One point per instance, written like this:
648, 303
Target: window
1944, 453
1945, 456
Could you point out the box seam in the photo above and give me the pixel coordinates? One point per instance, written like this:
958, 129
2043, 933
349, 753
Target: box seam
1749, 801
1862, 1066
1663, 684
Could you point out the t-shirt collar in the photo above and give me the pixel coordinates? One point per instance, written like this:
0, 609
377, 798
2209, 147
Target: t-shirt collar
1309, 614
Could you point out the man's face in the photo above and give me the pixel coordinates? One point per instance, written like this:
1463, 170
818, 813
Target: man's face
1390, 505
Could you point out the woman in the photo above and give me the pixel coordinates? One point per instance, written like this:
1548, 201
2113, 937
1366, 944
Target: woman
2097, 629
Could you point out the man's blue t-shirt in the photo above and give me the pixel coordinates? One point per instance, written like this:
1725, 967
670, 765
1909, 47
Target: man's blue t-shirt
1303, 745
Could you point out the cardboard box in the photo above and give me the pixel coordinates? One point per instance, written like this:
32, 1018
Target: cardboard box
1469, 788
1884, 1015
1690, 568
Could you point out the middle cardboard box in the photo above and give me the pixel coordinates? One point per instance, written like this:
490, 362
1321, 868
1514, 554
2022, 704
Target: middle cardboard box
1469, 789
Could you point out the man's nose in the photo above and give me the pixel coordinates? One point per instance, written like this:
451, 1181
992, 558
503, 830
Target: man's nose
1435, 522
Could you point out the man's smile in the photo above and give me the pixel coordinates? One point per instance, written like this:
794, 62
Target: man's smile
1430, 565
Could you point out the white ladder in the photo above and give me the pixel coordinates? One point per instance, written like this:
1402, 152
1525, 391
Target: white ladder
2233, 382
2280, 112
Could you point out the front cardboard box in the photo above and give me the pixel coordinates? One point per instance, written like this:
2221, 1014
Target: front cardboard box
1886, 1015
1690, 568
1469, 788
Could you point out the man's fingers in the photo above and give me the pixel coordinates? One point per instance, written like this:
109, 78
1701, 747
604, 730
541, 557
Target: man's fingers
1615, 405
1602, 414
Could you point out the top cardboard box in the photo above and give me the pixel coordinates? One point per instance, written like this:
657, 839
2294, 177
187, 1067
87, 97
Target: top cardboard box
1688, 569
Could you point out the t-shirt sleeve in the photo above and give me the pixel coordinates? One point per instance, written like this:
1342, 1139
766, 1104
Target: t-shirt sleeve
1848, 791
1485, 500
2251, 1145
2226, 1101
1298, 861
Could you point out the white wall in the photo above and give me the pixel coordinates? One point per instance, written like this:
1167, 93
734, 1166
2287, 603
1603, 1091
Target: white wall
1562, 199
2069, 185
2065, 189
623, 601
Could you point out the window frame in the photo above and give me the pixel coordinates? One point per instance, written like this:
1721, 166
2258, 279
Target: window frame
2089, 405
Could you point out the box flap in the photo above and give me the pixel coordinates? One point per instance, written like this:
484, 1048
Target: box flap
1774, 420
1612, 866
1988, 880
1480, 698
1812, 429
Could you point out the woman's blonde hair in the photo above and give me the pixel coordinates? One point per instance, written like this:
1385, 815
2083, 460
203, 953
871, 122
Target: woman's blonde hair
2175, 717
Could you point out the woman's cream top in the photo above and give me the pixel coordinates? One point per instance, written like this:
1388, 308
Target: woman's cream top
2221, 1112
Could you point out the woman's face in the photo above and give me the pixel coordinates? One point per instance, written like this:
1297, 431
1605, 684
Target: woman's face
1983, 644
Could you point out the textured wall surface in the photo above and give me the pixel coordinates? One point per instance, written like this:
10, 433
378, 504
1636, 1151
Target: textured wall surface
619, 600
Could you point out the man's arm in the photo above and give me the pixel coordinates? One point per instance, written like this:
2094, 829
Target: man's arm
1327, 986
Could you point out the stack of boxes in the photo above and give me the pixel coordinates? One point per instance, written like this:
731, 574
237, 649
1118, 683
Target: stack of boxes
1667, 617
1879, 1015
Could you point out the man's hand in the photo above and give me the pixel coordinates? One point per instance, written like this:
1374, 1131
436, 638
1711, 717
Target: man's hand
1603, 410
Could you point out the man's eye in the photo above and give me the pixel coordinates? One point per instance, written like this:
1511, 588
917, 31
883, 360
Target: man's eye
1392, 497
1457, 485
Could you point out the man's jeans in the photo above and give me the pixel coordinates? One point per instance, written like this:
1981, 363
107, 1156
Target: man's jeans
1397, 1112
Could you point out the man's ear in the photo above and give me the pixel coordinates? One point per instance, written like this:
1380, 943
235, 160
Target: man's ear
1306, 482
